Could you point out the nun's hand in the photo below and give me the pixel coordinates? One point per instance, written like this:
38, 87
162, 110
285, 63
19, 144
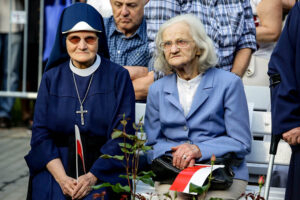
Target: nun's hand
67, 185
84, 184
292, 136
185, 155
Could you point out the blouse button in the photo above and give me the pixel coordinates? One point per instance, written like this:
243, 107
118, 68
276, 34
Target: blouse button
185, 128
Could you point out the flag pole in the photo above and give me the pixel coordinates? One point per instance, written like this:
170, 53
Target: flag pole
76, 155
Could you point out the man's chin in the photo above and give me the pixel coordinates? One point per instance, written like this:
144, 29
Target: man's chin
125, 28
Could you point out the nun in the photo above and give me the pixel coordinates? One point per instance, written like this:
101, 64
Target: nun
80, 86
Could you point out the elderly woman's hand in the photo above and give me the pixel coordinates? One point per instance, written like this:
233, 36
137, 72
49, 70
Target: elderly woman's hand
184, 155
84, 184
67, 185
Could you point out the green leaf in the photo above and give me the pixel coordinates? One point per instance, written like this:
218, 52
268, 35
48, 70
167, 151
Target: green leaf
131, 137
141, 119
116, 188
147, 174
140, 142
124, 122
126, 151
105, 156
146, 177
119, 188
116, 157
126, 145
96, 187
198, 189
116, 134
168, 195
124, 176
146, 180
146, 148
134, 126
141, 129
213, 198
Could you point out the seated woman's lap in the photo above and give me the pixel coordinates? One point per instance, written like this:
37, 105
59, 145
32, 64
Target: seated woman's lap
234, 192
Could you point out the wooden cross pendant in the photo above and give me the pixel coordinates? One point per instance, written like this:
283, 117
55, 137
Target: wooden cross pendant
81, 112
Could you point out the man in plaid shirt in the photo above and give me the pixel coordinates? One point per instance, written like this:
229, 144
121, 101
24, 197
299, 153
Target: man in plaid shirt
127, 39
229, 23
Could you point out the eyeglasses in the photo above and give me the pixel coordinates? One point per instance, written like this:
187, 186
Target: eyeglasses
180, 44
76, 39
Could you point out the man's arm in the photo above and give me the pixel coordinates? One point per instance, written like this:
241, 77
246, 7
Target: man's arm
246, 43
141, 86
269, 13
136, 72
241, 61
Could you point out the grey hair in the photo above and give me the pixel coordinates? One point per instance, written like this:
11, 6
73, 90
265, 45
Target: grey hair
207, 59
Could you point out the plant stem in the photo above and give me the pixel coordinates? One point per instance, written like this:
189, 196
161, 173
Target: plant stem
127, 161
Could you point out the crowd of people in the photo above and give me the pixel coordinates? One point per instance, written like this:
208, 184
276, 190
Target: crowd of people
187, 60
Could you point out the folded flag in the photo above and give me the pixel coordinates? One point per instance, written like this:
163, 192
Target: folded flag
196, 175
79, 150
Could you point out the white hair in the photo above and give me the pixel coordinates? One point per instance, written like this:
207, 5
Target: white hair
208, 57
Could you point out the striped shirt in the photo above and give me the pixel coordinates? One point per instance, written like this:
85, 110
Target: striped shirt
229, 23
130, 51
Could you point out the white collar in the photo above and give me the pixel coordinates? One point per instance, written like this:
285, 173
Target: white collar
193, 81
88, 71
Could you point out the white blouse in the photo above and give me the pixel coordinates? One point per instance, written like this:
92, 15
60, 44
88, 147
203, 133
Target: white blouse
186, 91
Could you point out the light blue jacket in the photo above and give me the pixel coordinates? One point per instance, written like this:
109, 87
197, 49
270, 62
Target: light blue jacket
218, 121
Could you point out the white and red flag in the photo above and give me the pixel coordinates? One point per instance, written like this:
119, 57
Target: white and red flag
79, 150
196, 175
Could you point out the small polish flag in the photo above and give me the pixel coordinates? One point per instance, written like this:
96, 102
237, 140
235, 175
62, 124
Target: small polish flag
79, 150
196, 175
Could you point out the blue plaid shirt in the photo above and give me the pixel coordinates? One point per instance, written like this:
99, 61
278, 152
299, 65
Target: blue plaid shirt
130, 51
229, 23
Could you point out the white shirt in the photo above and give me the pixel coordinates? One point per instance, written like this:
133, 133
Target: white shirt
186, 92
87, 71
103, 7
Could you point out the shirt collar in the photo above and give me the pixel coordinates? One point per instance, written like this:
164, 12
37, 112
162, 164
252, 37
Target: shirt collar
140, 32
196, 80
88, 71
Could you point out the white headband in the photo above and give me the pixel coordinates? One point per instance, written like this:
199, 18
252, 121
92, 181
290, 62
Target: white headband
81, 26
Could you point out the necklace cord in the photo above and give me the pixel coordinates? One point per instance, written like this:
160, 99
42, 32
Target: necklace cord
87, 91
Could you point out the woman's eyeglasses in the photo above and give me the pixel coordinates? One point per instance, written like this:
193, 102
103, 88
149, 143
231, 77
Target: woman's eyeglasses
76, 39
180, 44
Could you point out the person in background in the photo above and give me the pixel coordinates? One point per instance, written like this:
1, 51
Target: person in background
196, 110
53, 10
102, 6
126, 33
9, 72
284, 69
268, 21
80, 86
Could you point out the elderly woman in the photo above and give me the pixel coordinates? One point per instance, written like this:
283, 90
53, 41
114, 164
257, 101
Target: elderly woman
80, 86
196, 110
